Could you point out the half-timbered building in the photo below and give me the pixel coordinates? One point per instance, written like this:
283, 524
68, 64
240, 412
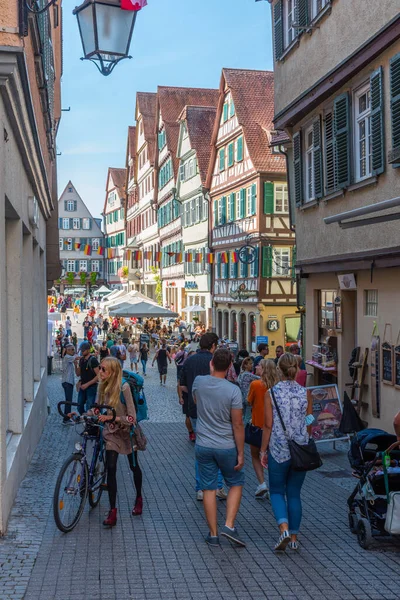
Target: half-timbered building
252, 242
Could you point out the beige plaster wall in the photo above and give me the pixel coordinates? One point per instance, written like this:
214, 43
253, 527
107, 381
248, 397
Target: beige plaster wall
349, 25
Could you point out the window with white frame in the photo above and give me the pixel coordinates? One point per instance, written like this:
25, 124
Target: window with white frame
95, 244
83, 266
111, 198
249, 208
70, 206
193, 210
198, 208
281, 262
281, 198
95, 266
371, 303
220, 211
65, 223
205, 210
76, 224
61, 244
70, 190
317, 6
187, 215
70, 266
290, 11
253, 268
85, 223
309, 142
68, 244
362, 132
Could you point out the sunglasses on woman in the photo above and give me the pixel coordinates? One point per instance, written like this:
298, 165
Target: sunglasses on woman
103, 369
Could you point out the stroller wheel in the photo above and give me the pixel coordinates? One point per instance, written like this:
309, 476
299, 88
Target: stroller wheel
364, 533
353, 522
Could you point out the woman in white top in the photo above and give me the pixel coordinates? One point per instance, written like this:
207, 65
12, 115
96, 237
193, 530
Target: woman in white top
284, 483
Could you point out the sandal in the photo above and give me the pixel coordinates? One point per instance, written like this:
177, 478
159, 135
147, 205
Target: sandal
282, 542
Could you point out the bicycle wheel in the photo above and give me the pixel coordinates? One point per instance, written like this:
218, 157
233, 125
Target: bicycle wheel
97, 480
70, 493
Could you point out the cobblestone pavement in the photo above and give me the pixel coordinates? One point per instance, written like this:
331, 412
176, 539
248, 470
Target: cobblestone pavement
162, 555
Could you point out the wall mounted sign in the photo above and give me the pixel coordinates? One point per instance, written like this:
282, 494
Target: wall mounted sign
347, 282
261, 339
247, 254
273, 325
388, 365
242, 293
191, 285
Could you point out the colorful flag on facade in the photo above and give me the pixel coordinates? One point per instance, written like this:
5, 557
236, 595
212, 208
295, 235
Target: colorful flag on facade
198, 257
224, 257
133, 4
88, 250
128, 254
188, 257
100, 251
77, 246
235, 257
158, 257
210, 258
179, 257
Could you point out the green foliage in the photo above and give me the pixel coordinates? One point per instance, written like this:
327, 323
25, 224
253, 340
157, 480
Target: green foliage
83, 277
158, 281
93, 277
70, 278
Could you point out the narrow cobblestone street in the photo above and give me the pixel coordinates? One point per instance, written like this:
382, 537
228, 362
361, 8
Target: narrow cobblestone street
162, 554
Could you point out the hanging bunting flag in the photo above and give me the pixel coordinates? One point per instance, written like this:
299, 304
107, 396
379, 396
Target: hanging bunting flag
235, 257
128, 254
179, 257
158, 257
170, 253
188, 257
224, 257
100, 251
135, 5
210, 258
77, 246
88, 250
198, 257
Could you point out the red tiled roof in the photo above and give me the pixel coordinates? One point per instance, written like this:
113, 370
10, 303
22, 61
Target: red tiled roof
253, 97
118, 177
171, 101
146, 105
279, 137
132, 141
200, 123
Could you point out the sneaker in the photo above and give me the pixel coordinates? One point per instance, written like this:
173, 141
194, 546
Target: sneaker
222, 494
192, 436
212, 540
293, 545
283, 541
200, 496
262, 491
232, 535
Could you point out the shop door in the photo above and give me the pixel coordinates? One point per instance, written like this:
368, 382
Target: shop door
243, 331
234, 332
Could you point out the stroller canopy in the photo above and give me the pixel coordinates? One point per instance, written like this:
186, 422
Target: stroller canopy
367, 443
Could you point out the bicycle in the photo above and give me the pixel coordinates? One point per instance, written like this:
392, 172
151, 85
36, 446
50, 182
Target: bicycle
78, 481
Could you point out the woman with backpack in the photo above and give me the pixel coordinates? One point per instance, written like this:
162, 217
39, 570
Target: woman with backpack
116, 435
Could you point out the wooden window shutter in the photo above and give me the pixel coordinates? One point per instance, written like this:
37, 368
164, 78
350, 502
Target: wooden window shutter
330, 155
232, 206
278, 29
294, 259
267, 261
230, 154
302, 13
377, 122
341, 122
253, 199
65, 205
75, 205
298, 169
242, 203
318, 174
223, 211
60, 223
215, 213
77, 266
226, 108
222, 159
239, 151
395, 104
268, 198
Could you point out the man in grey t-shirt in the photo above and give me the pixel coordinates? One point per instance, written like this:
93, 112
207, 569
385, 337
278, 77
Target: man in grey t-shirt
220, 443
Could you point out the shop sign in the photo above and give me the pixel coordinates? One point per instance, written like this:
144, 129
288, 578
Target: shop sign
247, 254
191, 285
261, 339
243, 293
273, 325
347, 282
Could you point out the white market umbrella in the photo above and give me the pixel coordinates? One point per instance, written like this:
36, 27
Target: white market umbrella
193, 309
54, 316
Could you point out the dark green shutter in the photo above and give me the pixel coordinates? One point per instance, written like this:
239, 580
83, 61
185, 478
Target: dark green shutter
268, 198
253, 199
318, 176
222, 159
242, 203
232, 206
230, 154
60, 223
223, 211
77, 266
226, 108
298, 169
377, 122
65, 205
239, 152
395, 102
75, 205
302, 13
294, 258
267, 261
342, 139
278, 29
330, 155
215, 213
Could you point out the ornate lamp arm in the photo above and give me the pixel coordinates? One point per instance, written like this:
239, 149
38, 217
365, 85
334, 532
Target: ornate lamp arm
32, 6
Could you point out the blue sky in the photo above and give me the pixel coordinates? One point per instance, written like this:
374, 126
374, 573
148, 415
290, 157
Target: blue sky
175, 42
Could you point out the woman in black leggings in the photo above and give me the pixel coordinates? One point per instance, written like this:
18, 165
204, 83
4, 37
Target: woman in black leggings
116, 435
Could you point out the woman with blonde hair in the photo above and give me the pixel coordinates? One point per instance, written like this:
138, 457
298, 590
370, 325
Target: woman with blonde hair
289, 403
116, 435
268, 377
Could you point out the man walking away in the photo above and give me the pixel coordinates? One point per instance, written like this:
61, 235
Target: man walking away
68, 326
263, 351
161, 356
88, 371
199, 364
220, 444
68, 378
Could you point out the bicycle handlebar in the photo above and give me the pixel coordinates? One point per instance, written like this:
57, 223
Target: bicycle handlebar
85, 417
62, 413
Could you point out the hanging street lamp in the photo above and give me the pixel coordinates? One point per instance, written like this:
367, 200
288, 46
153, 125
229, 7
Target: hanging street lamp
106, 32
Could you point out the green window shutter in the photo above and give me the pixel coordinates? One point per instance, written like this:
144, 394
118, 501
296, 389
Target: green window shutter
65, 205
77, 266
318, 175
232, 108
342, 139
278, 29
75, 205
298, 169
395, 102
222, 159
294, 258
215, 213
223, 211
242, 203
231, 154
239, 149
253, 199
330, 155
268, 198
232, 206
377, 121
267, 261
302, 13
225, 115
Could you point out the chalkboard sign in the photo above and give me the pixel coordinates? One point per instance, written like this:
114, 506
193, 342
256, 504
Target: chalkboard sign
388, 370
397, 367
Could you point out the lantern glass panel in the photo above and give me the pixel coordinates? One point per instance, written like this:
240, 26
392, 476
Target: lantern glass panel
113, 29
85, 19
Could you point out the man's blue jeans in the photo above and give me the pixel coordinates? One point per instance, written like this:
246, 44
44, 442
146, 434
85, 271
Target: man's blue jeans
285, 488
196, 465
144, 363
86, 398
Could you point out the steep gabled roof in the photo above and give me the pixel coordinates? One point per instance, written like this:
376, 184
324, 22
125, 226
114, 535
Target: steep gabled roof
119, 180
172, 100
200, 123
132, 142
253, 97
146, 105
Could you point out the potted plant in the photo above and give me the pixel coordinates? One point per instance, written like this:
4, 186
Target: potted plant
125, 272
70, 278
83, 277
93, 277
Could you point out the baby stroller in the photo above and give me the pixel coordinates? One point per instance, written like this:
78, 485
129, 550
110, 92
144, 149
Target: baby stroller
375, 458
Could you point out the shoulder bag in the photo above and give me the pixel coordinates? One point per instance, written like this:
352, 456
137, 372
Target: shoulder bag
253, 435
305, 457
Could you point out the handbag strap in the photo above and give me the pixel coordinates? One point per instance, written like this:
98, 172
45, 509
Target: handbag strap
277, 410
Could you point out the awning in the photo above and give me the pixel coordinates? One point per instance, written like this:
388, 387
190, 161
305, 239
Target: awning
103, 290
141, 309
193, 309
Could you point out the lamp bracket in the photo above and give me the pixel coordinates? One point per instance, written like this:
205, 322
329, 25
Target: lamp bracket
32, 6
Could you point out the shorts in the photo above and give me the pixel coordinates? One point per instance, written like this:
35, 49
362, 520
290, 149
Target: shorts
212, 459
163, 370
134, 360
